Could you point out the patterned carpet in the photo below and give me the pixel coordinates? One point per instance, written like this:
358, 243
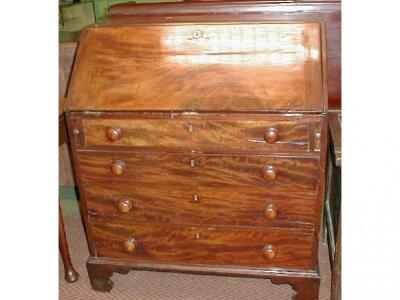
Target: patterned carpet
144, 285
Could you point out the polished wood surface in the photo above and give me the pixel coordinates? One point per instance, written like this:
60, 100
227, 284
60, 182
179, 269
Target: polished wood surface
113, 134
271, 135
271, 67
118, 167
249, 11
71, 275
200, 147
130, 245
271, 211
291, 174
194, 205
206, 133
269, 252
124, 206
205, 245
305, 283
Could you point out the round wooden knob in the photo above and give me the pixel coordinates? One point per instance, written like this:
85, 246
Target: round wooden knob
118, 167
125, 206
130, 245
269, 252
114, 134
270, 172
271, 211
271, 135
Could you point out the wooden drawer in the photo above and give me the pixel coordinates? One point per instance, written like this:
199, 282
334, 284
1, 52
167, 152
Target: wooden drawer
192, 205
232, 246
207, 136
290, 174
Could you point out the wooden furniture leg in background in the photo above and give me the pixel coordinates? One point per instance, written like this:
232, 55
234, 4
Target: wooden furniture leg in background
70, 274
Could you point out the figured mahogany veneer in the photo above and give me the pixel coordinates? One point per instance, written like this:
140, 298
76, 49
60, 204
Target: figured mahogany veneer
271, 67
200, 147
209, 245
292, 174
194, 134
191, 204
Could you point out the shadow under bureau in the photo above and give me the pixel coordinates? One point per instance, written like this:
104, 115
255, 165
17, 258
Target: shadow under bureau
201, 147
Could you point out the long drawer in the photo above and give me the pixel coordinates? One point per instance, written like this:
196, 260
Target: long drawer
289, 174
233, 246
192, 205
212, 135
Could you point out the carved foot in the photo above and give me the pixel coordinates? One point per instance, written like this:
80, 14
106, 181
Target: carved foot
305, 288
71, 275
100, 275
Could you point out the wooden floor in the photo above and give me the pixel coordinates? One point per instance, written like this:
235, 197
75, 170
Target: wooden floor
143, 285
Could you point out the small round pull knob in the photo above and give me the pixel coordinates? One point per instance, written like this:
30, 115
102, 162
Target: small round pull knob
114, 134
118, 167
125, 206
130, 245
270, 172
271, 135
270, 211
269, 252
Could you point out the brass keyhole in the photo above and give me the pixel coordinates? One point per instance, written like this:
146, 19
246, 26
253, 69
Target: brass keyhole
191, 128
192, 163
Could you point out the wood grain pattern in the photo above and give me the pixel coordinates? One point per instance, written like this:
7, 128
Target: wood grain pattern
203, 67
212, 171
203, 136
205, 245
168, 117
305, 283
248, 11
193, 205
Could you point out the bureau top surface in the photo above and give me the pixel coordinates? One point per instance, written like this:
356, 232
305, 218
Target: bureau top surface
223, 66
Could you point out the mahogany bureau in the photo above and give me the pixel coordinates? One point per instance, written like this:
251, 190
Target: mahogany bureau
200, 147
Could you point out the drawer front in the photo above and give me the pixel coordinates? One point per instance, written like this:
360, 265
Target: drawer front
212, 171
191, 205
246, 247
208, 136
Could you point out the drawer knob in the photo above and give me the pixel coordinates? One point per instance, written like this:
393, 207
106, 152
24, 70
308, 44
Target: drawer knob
269, 252
125, 206
130, 245
271, 135
118, 167
114, 134
270, 172
271, 211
